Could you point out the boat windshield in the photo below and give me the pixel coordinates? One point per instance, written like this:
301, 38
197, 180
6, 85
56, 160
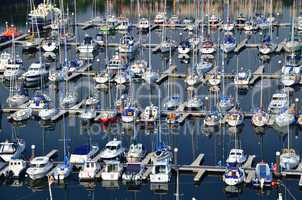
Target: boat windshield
112, 148
262, 171
159, 169
112, 168
7, 148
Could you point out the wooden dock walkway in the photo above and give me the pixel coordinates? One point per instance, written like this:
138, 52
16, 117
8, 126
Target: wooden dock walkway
257, 74
165, 74
241, 45
79, 72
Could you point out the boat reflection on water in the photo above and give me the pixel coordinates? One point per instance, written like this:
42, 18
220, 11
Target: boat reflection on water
110, 184
235, 130
88, 185
210, 130
233, 191
37, 185
159, 188
48, 125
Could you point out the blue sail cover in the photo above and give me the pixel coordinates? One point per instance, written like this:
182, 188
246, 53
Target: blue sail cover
229, 39
266, 39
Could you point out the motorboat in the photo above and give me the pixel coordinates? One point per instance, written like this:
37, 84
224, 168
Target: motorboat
263, 175
139, 67
161, 172
285, 118
13, 71
127, 44
50, 45
229, 43
92, 101
5, 59
242, 78
207, 47
22, 114
150, 114
241, 19
260, 118
234, 118
184, 47
83, 153
267, 47
113, 150
143, 24
69, 100
11, 150
89, 171
47, 113
39, 167
135, 153
17, 100
194, 103
262, 22
63, 170
250, 25
236, 156
88, 45
129, 114
150, 76
174, 20
214, 19
228, 26
289, 159
16, 168
234, 176
160, 18
278, 101
293, 45
133, 172
112, 170
173, 103
204, 66
225, 103
35, 72
212, 119
110, 25
9, 33
100, 39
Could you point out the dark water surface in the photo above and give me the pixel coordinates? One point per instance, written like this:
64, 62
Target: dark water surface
190, 138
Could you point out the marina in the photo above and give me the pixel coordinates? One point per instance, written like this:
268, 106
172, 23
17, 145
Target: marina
163, 99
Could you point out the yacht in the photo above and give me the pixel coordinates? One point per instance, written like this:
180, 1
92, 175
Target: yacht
88, 113
184, 47
236, 156
63, 170
102, 78
129, 114
100, 39
83, 153
162, 154
207, 47
112, 170
11, 150
136, 153
229, 43
113, 150
266, 47
293, 45
35, 72
234, 176
228, 26
127, 44
123, 24
234, 118
160, 18
225, 103
150, 114
39, 101
133, 172
117, 62
260, 118
89, 171
194, 103
214, 78
88, 45
121, 78
150, 76
173, 103
212, 119
143, 24
250, 25
17, 100
138, 68
291, 75
263, 175
39, 167
289, 159
92, 101
192, 79
242, 78
204, 66
69, 100
50, 45
47, 113
22, 114
107, 116
278, 101
285, 118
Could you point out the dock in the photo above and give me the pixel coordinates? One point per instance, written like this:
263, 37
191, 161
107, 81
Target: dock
280, 46
78, 72
9, 42
52, 153
257, 74
241, 45
165, 74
